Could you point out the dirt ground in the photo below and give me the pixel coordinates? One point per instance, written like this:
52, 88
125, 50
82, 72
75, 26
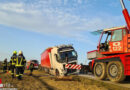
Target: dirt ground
42, 81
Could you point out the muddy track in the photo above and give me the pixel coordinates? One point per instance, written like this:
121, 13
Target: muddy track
28, 83
125, 85
44, 83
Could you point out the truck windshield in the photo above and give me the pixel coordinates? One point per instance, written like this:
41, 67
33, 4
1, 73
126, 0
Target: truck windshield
106, 37
67, 56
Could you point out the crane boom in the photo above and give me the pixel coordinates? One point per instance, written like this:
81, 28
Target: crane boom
126, 14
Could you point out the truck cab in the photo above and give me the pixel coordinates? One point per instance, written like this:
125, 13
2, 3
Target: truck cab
55, 58
113, 41
61, 56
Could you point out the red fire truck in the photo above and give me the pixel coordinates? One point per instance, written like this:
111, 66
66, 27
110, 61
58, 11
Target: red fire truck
35, 62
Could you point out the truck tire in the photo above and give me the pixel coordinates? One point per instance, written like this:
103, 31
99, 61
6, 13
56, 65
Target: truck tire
115, 71
57, 72
100, 70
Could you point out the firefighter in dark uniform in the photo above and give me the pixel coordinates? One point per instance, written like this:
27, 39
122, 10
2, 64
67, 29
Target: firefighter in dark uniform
5, 66
31, 67
13, 62
20, 65
9, 67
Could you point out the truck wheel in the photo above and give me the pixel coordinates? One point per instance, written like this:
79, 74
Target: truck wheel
115, 71
100, 70
57, 73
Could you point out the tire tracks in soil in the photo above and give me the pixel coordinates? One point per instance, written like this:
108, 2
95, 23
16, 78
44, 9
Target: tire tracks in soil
15, 81
44, 83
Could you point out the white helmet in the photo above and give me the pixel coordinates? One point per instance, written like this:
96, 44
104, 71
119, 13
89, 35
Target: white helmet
20, 52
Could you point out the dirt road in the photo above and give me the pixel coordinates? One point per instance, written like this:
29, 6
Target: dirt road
42, 81
125, 83
27, 83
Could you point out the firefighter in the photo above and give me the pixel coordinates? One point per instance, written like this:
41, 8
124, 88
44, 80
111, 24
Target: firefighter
20, 65
9, 67
5, 66
31, 67
13, 62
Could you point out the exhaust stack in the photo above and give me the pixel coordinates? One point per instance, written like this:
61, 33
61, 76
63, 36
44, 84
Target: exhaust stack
126, 14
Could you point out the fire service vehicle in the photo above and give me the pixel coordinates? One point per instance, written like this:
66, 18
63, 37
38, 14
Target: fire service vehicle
35, 62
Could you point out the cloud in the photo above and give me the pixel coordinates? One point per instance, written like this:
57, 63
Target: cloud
79, 1
45, 17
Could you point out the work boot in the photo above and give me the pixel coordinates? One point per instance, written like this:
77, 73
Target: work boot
12, 76
20, 77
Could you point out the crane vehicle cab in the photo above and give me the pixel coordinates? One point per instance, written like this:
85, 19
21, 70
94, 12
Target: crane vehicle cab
113, 40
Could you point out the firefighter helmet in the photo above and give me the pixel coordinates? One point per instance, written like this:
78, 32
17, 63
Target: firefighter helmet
20, 52
14, 52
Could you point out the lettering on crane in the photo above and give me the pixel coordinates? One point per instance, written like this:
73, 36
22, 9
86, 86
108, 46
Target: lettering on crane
116, 46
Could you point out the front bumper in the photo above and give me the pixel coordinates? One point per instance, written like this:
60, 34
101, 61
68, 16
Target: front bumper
69, 72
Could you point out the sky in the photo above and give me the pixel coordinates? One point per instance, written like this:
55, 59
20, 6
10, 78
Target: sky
34, 25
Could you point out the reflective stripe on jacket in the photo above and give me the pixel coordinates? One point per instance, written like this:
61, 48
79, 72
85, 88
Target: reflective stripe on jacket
20, 61
13, 59
4, 64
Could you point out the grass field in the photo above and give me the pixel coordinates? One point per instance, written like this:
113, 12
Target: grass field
42, 81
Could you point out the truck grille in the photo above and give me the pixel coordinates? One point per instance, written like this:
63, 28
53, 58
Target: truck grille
71, 70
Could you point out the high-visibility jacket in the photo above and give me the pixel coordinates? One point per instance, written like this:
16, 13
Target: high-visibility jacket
8, 64
4, 64
20, 61
13, 59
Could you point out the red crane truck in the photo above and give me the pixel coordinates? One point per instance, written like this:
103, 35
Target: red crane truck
112, 58
55, 59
